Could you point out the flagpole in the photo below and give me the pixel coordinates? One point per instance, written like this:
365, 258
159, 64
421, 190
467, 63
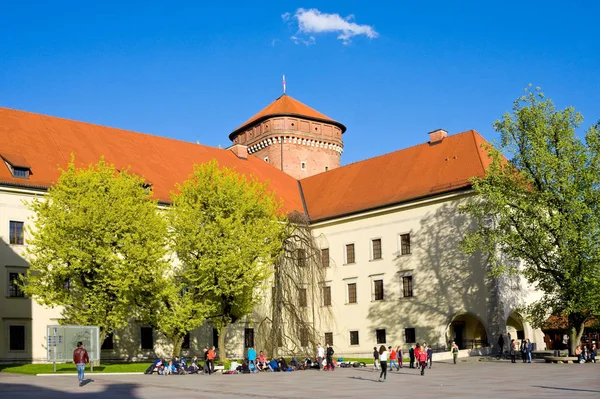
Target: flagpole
283, 81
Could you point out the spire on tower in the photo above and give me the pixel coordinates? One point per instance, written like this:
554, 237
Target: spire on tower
283, 82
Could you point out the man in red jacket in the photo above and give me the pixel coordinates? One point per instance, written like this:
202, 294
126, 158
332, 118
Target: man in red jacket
80, 358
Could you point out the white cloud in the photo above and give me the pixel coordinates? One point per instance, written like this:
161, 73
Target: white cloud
299, 40
315, 22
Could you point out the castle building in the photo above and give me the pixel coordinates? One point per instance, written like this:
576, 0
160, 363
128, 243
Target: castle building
293, 137
387, 228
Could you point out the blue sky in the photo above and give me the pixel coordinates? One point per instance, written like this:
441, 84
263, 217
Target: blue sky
400, 69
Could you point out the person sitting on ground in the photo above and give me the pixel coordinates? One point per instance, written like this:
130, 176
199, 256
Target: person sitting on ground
593, 353
282, 364
294, 363
194, 366
585, 354
273, 365
579, 355
246, 366
261, 361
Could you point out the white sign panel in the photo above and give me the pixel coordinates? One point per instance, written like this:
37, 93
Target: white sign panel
62, 341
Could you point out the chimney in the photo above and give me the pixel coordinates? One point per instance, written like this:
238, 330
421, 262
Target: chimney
241, 151
437, 136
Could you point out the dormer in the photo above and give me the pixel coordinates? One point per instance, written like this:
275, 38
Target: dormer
17, 164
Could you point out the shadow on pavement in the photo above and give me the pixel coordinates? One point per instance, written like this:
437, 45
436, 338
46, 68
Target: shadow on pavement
567, 389
30, 390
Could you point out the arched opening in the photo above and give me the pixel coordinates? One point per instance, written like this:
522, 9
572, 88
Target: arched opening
468, 331
515, 327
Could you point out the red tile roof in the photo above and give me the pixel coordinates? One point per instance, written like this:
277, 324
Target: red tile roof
44, 143
420, 171
288, 106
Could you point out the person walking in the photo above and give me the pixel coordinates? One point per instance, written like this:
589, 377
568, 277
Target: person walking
329, 355
411, 354
252, 359
399, 355
80, 358
375, 358
513, 351
211, 360
320, 356
392, 354
529, 351
206, 367
383, 356
454, 350
430, 356
524, 350
422, 357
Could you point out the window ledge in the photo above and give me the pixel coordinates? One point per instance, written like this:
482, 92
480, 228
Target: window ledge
408, 297
348, 264
16, 297
375, 260
377, 300
351, 303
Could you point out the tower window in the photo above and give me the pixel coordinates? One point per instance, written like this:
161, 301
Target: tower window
326, 168
267, 159
303, 165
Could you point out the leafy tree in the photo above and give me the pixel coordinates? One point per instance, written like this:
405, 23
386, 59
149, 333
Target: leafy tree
97, 247
227, 232
542, 207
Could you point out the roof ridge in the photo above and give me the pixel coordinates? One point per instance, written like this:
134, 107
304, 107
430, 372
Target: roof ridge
104, 126
389, 153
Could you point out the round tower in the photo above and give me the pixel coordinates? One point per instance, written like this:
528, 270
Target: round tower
292, 137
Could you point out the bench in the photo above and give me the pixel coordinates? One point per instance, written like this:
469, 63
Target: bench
560, 359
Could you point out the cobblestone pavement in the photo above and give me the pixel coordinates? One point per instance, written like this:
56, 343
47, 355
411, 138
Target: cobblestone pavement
489, 379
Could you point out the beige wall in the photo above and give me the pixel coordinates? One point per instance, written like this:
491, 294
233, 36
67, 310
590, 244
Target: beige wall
446, 283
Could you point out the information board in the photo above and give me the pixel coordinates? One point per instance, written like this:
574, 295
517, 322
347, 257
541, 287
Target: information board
62, 341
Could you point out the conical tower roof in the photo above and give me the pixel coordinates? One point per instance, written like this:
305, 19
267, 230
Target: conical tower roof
286, 106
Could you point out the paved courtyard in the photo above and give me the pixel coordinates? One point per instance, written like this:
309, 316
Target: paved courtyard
488, 379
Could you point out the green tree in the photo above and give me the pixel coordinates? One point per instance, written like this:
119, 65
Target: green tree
97, 246
542, 207
227, 232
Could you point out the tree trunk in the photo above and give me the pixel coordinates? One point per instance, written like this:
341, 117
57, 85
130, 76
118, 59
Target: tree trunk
222, 351
177, 343
575, 333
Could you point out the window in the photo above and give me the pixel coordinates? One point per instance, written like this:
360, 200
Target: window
14, 291
354, 338
186, 341
302, 299
378, 290
325, 257
410, 336
109, 342
380, 334
267, 159
215, 338
303, 165
327, 296
304, 336
351, 292
16, 233
23, 173
146, 338
301, 257
376, 249
329, 338
407, 286
349, 253
405, 244
16, 338
326, 168
248, 337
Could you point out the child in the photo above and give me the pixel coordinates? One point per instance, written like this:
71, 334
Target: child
375, 358
393, 355
422, 359
399, 356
